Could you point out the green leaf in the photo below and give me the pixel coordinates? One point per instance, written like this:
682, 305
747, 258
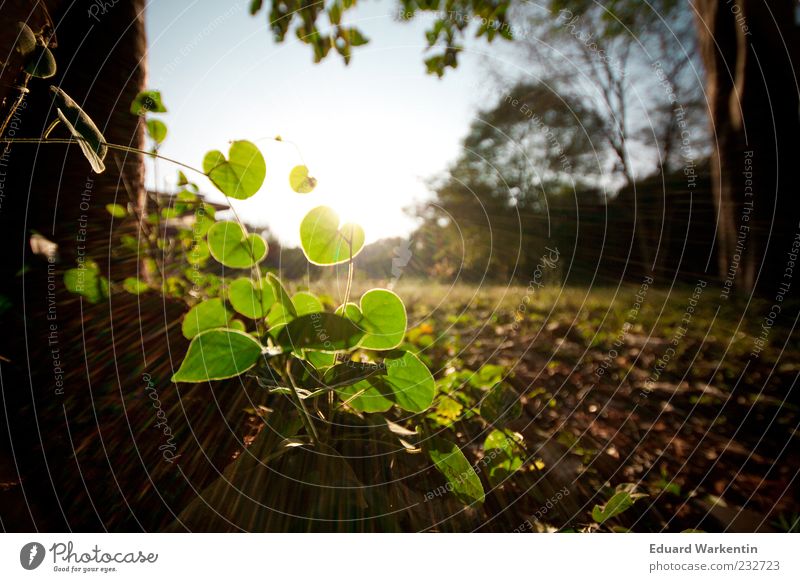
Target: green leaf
356, 384
305, 303
366, 396
241, 175
324, 332
383, 318
452, 463
81, 126
324, 242
87, 282
320, 360
411, 382
218, 354
26, 40
157, 130
283, 310
619, 502
500, 455
198, 253
134, 286
117, 210
501, 405
209, 314
230, 244
40, 62
251, 299
148, 102
300, 181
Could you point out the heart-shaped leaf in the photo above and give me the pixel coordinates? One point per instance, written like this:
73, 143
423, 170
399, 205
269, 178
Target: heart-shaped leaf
501, 405
241, 175
452, 463
148, 102
218, 354
81, 126
26, 39
209, 314
324, 242
157, 130
305, 303
410, 380
40, 62
230, 244
251, 299
323, 332
300, 181
382, 315
405, 381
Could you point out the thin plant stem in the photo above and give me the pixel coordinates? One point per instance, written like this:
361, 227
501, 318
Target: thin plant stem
304, 415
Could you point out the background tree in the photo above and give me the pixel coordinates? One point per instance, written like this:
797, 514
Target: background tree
749, 49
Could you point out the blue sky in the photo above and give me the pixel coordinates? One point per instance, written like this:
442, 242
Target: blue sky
371, 132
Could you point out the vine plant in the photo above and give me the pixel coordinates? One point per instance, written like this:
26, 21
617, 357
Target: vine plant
348, 360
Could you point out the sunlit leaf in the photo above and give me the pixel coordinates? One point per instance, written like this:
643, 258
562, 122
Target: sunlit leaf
324, 242
411, 382
251, 299
218, 354
241, 175
300, 181
500, 454
209, 314
233, 247
87, 282
383, 318
157, 130
135, 286
324, 332
452, 463
305, 303
621, 501
117, 210
283, 310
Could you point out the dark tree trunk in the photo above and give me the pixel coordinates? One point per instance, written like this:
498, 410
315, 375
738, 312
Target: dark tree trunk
749, 49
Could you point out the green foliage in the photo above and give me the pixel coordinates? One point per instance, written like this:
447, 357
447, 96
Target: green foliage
218, 354
230, 244
148, 102
451, 19
300, 181
241, 175
117, 210
134, 285
323, 332
251, 299
157, 130
209, 314
501, 455
87, 281
81, 126
325, 242
620, 502
382, 316
452, 463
